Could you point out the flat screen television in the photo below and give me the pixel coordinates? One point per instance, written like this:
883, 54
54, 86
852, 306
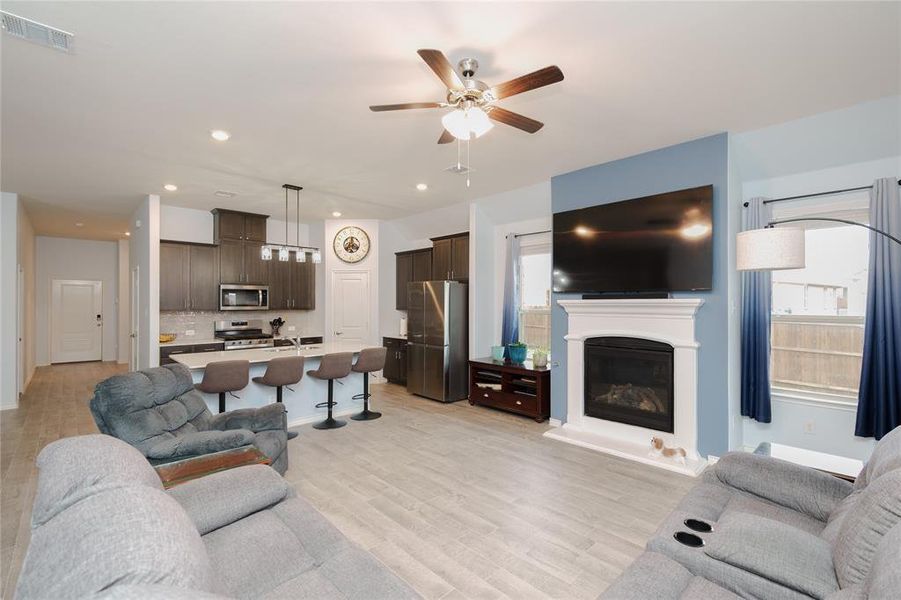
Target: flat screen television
661, 243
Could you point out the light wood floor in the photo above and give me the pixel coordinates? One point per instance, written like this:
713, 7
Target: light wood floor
460, 501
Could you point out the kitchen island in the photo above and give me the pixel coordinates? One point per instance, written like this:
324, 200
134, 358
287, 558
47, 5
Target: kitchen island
301, 402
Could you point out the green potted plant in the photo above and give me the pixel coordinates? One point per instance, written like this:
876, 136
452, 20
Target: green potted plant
539, 358
517, 352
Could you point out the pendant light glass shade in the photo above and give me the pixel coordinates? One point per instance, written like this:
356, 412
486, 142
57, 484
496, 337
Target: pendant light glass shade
301, 256
283, 254
317, 257
463, 124
266, 253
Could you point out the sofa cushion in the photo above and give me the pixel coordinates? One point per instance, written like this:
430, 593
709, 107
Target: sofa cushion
884, 580
873, 515
72, 469
126, 535
791, 557
886, 457
653, 575
222, 498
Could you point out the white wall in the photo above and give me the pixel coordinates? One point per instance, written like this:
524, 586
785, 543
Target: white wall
334, 265
9, 205
26, 260
835, 150
144, 255
65, 258
122, 301
481, 282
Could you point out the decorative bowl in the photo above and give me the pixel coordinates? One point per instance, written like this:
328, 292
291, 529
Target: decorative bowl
165, 338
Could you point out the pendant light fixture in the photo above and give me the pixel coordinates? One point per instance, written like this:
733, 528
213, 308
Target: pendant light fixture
284, 250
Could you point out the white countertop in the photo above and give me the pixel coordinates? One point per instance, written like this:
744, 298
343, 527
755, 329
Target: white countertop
200, 360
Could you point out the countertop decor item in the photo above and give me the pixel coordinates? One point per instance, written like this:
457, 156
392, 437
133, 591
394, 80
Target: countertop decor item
497, 353
539, 359
276, 324
165, 338
517, 352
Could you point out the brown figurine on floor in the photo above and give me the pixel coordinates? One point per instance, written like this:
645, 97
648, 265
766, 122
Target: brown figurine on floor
658, 449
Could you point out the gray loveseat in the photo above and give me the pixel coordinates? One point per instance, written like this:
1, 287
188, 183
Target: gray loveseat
102, 527
780, 531
159, 412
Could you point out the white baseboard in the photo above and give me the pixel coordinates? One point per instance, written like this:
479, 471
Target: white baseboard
555, 422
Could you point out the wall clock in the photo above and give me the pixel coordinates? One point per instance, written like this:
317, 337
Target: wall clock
351, 244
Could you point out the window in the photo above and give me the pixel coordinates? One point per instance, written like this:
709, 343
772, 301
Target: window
818, 311
535, 292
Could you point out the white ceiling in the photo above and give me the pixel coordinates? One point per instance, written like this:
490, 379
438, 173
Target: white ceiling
85, 135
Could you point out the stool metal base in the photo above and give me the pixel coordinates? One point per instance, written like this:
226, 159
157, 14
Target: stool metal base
366, 415
329, 423
292, 434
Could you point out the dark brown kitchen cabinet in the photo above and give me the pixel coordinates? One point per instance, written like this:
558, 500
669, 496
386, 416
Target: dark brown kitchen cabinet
235, 225
395, 369
412, 265
167, 352
242, 262
175, 276
450, 257
292, 284
188, 277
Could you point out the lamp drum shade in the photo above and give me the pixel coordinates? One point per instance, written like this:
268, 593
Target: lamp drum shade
770, 249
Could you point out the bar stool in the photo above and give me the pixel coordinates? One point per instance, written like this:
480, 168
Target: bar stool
370, 359
333, 366
225, 376
280, 372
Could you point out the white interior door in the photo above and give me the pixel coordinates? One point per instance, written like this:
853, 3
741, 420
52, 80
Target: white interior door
350, 306
135, 312
76, 321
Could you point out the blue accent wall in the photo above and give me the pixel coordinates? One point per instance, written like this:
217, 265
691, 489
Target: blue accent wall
691, 164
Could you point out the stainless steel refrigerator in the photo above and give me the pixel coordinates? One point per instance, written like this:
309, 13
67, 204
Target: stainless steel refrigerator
438, 340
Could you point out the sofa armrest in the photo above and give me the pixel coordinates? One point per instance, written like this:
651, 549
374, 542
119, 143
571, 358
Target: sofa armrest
269, 417
784, 555
199, 443
222, 498
800, 488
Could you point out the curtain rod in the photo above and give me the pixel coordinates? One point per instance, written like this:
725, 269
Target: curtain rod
830, 193
530, 233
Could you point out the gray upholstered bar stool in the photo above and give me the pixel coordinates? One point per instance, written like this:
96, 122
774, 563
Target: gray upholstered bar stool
225, 376
332, 366
281, 372
370, 359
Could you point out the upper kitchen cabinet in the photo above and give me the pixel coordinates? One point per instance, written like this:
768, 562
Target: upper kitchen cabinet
188, 276
450, 257
412, 265
234, 225
242, 262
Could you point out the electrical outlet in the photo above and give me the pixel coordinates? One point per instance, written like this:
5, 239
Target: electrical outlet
808, 427
189, 332
292, 328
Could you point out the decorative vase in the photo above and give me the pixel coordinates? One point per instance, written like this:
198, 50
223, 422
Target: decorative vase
497, 353
517, 354
539, 359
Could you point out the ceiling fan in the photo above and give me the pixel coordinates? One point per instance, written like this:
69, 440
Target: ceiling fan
473, 101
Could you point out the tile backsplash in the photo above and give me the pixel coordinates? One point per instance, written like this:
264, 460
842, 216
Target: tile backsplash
178, 322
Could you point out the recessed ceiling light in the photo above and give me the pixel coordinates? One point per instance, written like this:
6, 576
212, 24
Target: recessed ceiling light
336, 214
422, 186
220, 135
127, 233
79, 224
170, 187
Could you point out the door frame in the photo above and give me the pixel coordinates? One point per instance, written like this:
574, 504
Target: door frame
134, 332
50, 324
20, 331
330, 304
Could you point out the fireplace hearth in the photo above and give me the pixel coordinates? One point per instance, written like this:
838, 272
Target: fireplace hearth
630, 381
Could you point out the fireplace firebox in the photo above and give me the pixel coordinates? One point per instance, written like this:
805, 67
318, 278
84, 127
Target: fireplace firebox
629, 380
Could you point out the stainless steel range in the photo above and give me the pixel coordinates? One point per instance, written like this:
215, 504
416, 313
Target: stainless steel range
242, 335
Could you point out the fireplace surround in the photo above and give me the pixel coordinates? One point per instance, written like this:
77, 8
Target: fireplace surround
670, 322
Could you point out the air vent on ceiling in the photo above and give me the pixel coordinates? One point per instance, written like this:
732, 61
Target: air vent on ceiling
36, 32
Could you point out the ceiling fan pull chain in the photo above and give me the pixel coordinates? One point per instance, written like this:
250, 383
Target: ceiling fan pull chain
468, 163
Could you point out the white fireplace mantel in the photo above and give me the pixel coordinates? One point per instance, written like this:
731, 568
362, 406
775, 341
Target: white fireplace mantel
667, 320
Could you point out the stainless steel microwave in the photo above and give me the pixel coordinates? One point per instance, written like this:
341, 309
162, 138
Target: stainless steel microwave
243, 297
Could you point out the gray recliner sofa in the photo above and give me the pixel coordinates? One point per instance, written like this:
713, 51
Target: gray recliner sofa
159, 412
103, 527
780, 531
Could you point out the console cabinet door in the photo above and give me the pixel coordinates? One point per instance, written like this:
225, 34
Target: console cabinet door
174, 277
442, 259
204, 279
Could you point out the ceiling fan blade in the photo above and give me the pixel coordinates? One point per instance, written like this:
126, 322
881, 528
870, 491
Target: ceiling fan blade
408, 105
442, 68
513, 119
537, 79
446, 137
